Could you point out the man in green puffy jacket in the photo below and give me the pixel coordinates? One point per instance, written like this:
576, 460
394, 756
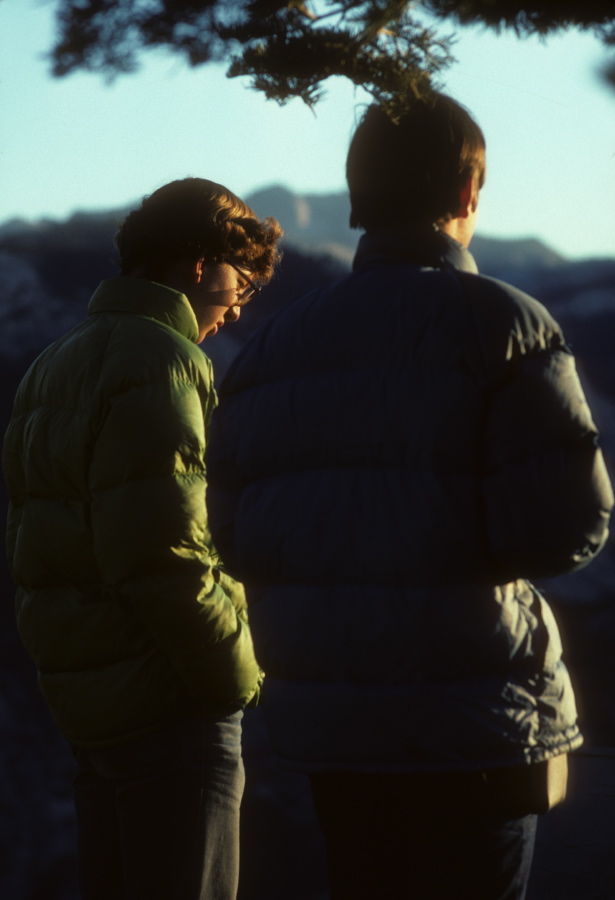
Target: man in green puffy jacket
140, 638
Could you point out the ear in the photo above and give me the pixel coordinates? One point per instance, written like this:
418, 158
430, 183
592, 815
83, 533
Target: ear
196, 270
468, 198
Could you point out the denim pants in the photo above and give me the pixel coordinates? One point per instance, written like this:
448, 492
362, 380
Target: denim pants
422, 837
158, 817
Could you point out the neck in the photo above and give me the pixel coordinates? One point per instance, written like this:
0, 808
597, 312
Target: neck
461, 229
170, 276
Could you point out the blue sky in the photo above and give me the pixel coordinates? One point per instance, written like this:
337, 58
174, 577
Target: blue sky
80, 143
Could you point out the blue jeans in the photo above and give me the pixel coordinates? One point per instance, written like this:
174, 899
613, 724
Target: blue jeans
422, 837
158, 817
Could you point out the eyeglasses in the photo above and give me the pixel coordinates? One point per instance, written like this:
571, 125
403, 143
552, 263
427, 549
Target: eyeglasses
250, 291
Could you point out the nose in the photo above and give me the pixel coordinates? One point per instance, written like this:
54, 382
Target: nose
232, 314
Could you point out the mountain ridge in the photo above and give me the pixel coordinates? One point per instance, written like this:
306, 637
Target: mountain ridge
314, 223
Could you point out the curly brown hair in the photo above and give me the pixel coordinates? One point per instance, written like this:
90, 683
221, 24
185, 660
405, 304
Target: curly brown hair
193, 218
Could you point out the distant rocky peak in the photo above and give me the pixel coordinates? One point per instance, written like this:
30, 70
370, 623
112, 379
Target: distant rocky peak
319, 223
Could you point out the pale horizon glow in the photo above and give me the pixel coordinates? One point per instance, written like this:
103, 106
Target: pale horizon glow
79, 143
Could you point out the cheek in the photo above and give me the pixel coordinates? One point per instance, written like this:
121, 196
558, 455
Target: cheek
213, 315
213, 310
219, 311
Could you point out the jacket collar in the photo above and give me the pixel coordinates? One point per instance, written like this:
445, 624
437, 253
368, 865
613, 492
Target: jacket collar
426, 247
139, 297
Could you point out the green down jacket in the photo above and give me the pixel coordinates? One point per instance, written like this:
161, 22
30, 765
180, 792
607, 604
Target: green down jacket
121, 600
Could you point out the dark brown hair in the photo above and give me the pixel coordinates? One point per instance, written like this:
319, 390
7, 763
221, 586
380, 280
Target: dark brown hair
194, 218
411, 170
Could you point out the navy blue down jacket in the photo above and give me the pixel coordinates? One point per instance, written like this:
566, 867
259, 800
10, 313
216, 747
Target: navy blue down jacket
393, 457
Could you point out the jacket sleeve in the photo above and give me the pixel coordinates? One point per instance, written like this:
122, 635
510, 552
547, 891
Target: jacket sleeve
547, 496
152, 542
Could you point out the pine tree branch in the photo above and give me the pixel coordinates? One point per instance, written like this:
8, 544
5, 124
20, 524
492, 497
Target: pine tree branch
289, 48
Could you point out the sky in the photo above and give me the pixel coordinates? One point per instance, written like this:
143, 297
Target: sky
79, 143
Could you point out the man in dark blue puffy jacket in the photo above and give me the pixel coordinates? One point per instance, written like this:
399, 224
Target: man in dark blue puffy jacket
394, 456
